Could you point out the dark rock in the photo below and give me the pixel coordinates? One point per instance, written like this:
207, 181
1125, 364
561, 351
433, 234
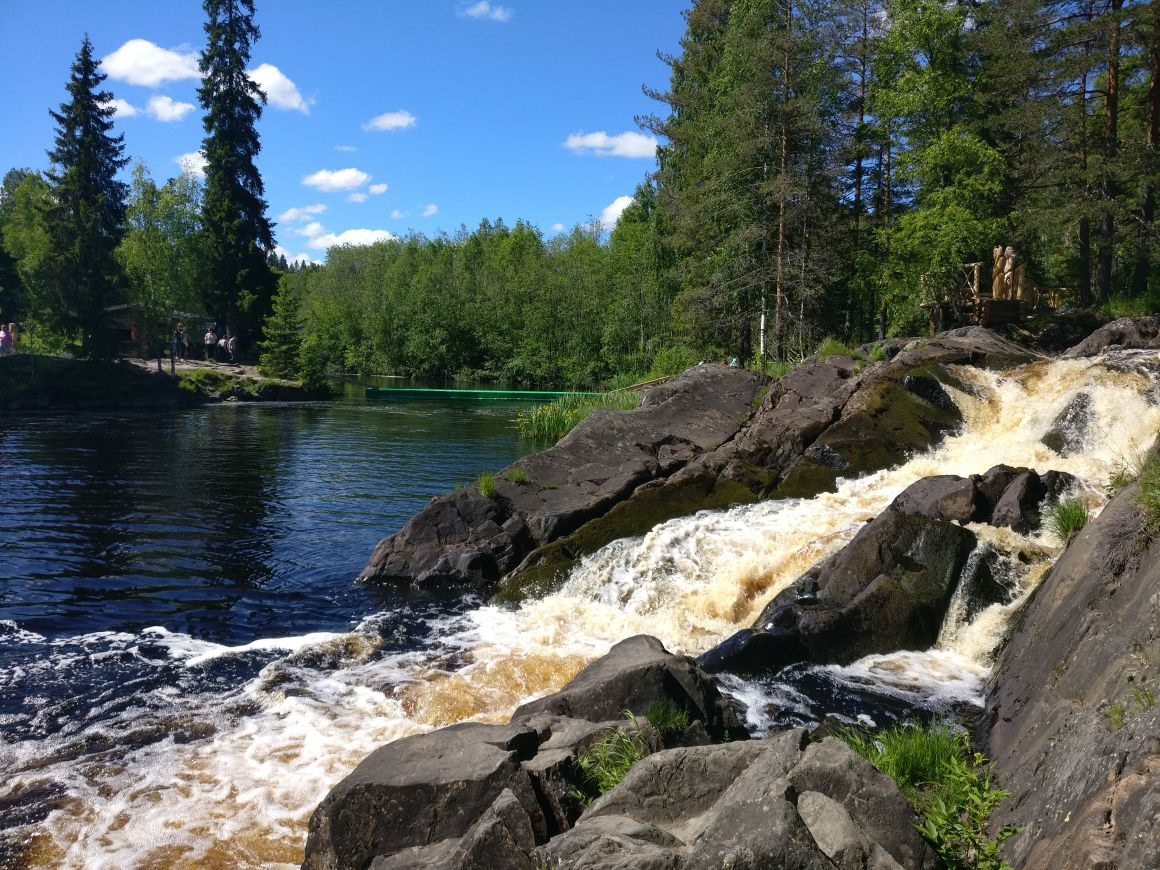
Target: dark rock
419, 791
1069, 427
635, 674
943, 497
466, 537
780, 802
1125, 333
1070, 719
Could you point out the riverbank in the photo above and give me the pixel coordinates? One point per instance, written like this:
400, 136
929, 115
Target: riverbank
32, 382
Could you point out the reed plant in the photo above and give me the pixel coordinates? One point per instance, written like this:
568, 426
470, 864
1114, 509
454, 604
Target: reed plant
1065, 518
518, 476
667, 718
547, 424
946, 783
487, 484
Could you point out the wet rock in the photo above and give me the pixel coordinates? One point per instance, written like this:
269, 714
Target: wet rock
1069, 427
888, 589
1125, 333
1071, 720
635, 674
468, 538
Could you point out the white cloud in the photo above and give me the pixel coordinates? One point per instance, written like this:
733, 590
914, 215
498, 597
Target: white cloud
557, 228
123, 108
484, 9
332, 180
396, 214
320, 239
612, 212
399, 120
377, 189
140, 62
627, 144
298, 214
281, 93
345, 148
167, 109
430, 209
192, 163
356, 197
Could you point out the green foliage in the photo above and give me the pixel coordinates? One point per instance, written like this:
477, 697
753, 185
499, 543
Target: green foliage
487, 484
1144, 697
518, 476
84, 213
832, 347
878, 353
948, 785
606, 762
550, 422
1149, 497
1122, 305
671, 360
282, 334
1066, 518
1116, 714
237, 231
668, 718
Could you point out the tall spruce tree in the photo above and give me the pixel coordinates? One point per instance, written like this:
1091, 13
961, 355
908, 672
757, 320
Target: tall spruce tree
238, 233
85, 218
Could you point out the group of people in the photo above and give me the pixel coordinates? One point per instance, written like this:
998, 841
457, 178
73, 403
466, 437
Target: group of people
220, 349
7, 338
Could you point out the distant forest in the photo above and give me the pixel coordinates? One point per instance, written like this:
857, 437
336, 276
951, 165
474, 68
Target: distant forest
825, 166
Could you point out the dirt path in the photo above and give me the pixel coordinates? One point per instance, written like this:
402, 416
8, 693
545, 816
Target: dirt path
187, 365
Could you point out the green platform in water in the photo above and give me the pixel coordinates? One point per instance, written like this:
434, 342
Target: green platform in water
411, 393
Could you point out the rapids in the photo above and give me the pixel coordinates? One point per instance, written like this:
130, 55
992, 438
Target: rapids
228, 778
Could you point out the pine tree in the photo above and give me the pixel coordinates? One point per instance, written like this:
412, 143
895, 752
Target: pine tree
85, 219
283, 334
238, 233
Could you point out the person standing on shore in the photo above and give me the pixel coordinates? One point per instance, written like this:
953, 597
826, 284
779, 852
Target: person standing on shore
210, 344
232, 347
5, 340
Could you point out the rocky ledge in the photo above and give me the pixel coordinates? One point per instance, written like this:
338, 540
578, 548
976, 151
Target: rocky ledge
713, 436
484, 797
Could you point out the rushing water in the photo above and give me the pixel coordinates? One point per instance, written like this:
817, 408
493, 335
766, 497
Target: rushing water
184, 678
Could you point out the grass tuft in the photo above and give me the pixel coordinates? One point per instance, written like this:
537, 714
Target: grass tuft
1066, 518
517, 475
832, 347
667, 718
947, 783
606, 762
1149, 497
878, 353
487, 484
549, 423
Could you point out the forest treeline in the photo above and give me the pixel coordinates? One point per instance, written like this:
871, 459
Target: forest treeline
825, 166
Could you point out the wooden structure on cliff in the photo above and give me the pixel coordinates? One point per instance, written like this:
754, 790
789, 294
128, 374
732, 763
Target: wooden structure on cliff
1009, 297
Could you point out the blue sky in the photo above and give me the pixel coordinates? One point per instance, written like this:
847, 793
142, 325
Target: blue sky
384, 116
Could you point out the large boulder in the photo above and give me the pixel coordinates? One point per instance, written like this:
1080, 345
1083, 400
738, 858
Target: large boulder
1071, 719
825, 420
888, 589
779, 802
1125, 333
482, 796
636, 674
470, 538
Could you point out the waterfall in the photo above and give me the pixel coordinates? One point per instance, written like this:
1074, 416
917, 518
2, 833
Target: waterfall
234, 783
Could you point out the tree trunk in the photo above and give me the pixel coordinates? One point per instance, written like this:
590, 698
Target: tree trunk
779, 299
848, 327
1148, 198
1084, 252
1111, 135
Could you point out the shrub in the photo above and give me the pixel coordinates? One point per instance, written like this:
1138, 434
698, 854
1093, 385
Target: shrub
667, 718
1066, 518
878, 353
606, 762
487, 484
948, 785
551, 422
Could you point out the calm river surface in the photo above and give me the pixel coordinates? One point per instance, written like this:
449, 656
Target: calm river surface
229, 525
